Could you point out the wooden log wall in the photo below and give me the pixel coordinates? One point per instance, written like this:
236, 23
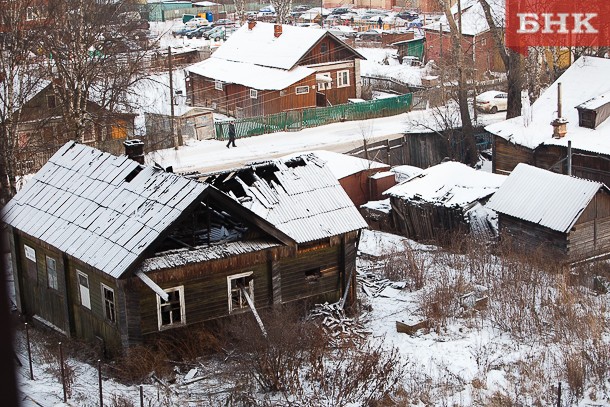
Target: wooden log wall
529, 237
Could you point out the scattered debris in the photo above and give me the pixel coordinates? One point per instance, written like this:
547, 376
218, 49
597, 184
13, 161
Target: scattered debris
411, 327
374, 286
337, 325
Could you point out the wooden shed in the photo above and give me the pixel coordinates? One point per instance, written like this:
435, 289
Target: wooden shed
106, 248
444, 198
566, 217
584, 106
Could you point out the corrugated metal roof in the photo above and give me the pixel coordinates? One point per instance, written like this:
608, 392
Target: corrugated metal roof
304, 201
543, 197
81, 203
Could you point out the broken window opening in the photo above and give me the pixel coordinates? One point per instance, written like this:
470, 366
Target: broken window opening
83, 285
236, 285
52, 273
109, 307
313, 276
170, 313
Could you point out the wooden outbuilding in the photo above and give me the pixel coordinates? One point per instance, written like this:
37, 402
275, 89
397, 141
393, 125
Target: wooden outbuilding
266, 68
585, 108
106, 248
445, 198
566, 217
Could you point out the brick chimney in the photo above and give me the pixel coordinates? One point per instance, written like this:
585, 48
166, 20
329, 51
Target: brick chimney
134, 149
251, 24
560, 124
277, 30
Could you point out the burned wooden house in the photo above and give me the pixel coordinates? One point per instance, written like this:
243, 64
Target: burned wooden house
565, 217
445, 198
106, 248
580, 112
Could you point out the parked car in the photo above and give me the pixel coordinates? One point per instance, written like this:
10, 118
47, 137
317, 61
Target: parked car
407, 15
197, 22
223, 21
492, 101
340, 10
343, 31
182, 30
215, 33
198, 32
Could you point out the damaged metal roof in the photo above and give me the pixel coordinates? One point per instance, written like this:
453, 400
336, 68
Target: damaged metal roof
544, 197
300, 197
99, 208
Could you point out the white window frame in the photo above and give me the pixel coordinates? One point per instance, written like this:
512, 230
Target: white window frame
84, 292
340, 82
301, 90
253, 94
327, 85
89, 134
52, 273
161, 302
109, 313
218, 85
30, 253
230, 290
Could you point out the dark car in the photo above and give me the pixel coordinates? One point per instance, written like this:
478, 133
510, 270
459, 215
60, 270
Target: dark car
339, 11
198, 32
407, 15
215, 33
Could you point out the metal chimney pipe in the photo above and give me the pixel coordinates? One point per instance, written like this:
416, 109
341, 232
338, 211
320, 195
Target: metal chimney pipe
559, 100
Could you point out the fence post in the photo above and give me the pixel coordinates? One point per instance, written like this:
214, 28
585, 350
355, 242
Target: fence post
99, 379
141, 396
27, 339
559, 395
63, 377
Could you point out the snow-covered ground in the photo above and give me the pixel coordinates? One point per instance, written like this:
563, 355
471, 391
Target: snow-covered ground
466, 360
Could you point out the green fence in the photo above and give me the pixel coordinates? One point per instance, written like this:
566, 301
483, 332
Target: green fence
299, 119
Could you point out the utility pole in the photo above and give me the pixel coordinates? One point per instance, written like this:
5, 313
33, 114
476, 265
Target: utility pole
171, 98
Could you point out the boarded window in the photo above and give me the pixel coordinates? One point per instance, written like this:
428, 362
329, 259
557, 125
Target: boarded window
52, 273
342, 79
108, 297
83, 289
238, 286
301, 90
32, 268
170, 313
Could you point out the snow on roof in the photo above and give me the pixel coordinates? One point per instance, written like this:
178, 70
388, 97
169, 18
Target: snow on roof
101, 209
259, 46
202, 254
303, 199
473, 17
585, 79
250, 75
595, 102
341, 165
448, 184
405, 172
543, 197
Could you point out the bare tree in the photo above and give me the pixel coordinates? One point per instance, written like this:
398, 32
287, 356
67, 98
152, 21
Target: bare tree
513, 61
455, 32
282, 9
19, 80
96, 54
240, 9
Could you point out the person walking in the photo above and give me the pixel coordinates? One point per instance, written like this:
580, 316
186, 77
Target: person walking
231, 135
380, 23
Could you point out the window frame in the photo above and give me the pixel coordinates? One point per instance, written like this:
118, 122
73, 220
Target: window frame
230, 290
172, 324
52, 279
326, 85
51, 102
218, 85
253, 94
82, 298
31, 262
105, 302
340, 77
306, 88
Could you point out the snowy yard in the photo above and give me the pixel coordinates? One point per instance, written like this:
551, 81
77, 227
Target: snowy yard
533, 332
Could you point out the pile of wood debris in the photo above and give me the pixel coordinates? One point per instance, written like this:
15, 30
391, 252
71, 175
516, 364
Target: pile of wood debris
340, 328
373, 285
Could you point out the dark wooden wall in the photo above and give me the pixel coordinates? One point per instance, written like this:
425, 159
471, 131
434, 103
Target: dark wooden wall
506, 156
590, 236
530, 237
